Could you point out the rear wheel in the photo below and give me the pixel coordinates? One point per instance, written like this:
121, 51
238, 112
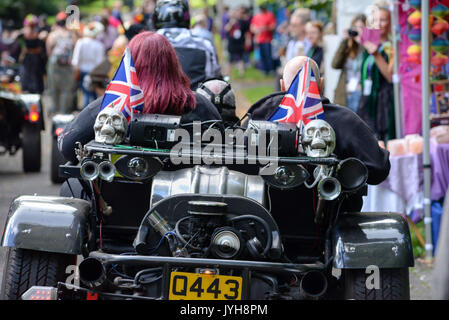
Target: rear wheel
31, 148
393, 284
26, 268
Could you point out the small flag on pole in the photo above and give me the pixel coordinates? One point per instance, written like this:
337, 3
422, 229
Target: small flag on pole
124, 92
302, 103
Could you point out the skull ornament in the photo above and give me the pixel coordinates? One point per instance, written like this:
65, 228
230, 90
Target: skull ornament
110, 126
318, 139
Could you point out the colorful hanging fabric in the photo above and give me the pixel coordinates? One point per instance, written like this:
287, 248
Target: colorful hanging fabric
440, 45
440, 27
440, 11
415, 35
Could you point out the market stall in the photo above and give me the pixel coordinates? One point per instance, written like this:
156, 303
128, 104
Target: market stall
419, 175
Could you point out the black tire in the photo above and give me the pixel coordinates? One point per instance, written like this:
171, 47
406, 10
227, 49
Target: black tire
56, 160
26, 268
394, 284
31, 148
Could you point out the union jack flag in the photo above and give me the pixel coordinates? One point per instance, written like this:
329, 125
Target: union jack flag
124, 92
302, 103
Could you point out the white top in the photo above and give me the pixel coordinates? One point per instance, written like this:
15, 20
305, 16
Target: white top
88, 54
297, 48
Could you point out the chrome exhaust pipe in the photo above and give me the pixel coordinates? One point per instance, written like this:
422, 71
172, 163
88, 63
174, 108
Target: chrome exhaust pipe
329, 189
313, 285
107, 171
92, 273
89, 170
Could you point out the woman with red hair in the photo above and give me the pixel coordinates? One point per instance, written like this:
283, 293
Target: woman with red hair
159, 71
165, 86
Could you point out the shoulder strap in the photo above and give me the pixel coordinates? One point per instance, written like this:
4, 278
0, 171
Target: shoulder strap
217, 99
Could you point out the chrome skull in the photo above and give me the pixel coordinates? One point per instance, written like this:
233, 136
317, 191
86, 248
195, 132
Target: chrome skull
110, 127
318, 139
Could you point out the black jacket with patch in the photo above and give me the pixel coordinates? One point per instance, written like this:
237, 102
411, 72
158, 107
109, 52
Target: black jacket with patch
354, 137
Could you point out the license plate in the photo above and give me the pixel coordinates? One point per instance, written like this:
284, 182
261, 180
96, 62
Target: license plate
195, 286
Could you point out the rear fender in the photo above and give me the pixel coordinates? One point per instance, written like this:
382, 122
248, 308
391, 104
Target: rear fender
51, 224
34, 100
372, 239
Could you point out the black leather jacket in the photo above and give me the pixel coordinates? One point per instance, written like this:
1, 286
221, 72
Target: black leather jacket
82, 128
354, 137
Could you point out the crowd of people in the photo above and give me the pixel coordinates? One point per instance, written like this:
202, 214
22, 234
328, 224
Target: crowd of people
64, 58
365, 85
87, 57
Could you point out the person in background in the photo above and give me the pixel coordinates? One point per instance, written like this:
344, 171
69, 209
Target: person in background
117, 10
262, 26
116, 53
209, 20
148, 7
223, 34
108, 35
249, 40
237, 29
165, 86
377, 102
298, 44
88, 53
200, 28
35, 59
99, 77
283, 35
43, 27
197, 56
224, 21
60, 45
130, 4
314, 34
9, 45
134, 29
348, 58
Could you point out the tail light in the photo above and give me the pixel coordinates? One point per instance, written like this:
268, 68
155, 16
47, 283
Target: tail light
41, 293
58, 131
34, 116
92, 296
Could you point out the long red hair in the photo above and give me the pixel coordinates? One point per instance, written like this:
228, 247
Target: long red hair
165, 86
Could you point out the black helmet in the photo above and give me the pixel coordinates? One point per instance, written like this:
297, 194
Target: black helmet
171, 14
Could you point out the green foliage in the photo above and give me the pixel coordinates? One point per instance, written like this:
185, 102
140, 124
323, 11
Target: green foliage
255, 94
16, 10
251, 75
93, 7
317, 5
418, 249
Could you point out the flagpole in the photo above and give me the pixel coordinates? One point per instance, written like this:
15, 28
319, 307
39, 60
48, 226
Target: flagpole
395, 28
426, 124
